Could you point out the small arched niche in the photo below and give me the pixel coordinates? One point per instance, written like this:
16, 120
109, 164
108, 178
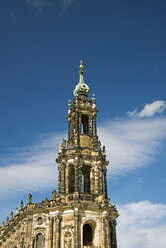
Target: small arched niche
88, 234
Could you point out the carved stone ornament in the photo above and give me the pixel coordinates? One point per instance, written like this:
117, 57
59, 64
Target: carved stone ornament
68, 240
40, 220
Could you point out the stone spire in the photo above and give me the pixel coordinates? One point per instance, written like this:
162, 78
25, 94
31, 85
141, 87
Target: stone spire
81, 88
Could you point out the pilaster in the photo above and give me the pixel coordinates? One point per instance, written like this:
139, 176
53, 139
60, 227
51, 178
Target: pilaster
76, 228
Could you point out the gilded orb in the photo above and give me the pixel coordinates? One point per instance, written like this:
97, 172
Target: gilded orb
81, 67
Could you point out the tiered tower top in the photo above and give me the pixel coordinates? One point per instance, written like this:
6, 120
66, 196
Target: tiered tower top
82, 161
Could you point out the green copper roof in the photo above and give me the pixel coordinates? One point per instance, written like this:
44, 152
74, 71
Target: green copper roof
81, 88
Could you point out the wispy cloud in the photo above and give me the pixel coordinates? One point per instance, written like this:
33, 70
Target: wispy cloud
130, 144
31, 168
149, 110
140, 223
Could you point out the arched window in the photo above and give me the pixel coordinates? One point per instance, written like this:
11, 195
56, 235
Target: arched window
84, 124
87, 235
39, 240
71, 179
86, 179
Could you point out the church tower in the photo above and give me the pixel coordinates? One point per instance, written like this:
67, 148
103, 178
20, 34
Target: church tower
80, 215
82, 179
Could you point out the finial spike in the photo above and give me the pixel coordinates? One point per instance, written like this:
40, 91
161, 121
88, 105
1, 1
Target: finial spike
81, 65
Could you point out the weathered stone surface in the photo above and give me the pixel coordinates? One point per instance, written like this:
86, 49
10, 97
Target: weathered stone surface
80, 215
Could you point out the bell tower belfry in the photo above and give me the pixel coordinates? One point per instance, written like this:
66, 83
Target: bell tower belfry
82, 179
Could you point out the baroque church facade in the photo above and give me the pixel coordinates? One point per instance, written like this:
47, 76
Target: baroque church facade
80, 215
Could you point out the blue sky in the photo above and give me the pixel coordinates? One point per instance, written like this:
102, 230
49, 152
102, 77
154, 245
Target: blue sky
123, 46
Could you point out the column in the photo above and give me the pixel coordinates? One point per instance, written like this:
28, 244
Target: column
69, 130
104, 233
58, 222
63, 178
76, 173
96, 180
79, 123
113, 234
90, 126
76, 177
107, 230
77, 127
80, 178
32, 243
35, 243
100, 180
43, 241
72, 129
93, 180
95, 127
105, 182
76, 229
59, 179
50, 233
67, 179
54, 232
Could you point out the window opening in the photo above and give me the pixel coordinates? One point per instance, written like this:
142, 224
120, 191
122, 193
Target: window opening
87, 235
39, 240
71, 179
84, 124
86, 180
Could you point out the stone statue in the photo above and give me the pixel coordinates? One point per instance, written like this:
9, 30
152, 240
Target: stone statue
11, 215
54, 194
7, 221
64, 144
60, 147
68, 240
30, 198
3, 224
22, 204
16, 210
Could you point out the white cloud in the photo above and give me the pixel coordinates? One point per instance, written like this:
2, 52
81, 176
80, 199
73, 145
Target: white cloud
30, 169
149, 110
141, 224
132, 143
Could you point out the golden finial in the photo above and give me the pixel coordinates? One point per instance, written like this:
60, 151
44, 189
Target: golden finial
81, 66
